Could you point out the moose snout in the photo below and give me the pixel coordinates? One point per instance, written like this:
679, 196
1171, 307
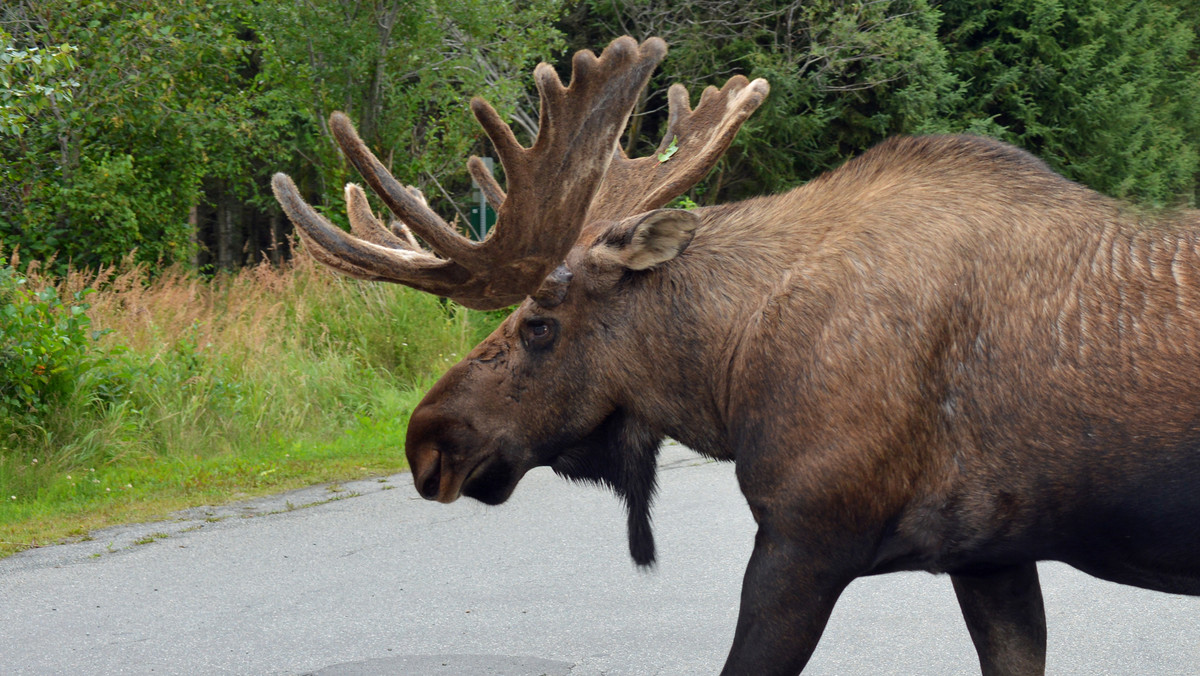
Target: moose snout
434, 447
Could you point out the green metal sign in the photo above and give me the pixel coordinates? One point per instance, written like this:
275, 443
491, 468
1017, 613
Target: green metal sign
480, 227
482, 216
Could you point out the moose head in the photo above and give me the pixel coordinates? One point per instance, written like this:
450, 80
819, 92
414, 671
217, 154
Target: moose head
578, 235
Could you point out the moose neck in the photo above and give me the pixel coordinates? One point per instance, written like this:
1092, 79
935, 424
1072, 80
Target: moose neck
708, 300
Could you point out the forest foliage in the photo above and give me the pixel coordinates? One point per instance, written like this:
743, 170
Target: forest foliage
153, 127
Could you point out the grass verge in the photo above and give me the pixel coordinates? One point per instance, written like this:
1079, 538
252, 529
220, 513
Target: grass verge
200, 392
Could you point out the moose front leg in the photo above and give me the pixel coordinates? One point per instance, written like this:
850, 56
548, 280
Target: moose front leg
787, 596
1004, 613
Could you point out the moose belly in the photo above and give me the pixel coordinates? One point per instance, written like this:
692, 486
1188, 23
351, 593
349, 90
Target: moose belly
1135, 521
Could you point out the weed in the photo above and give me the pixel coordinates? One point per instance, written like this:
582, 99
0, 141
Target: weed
151, 538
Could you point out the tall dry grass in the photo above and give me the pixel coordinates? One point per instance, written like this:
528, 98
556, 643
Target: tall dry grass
256, 313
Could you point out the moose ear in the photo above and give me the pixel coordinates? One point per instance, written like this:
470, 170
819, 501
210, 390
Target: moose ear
656, 237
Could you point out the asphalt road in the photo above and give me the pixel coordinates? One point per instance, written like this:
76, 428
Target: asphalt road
370, 579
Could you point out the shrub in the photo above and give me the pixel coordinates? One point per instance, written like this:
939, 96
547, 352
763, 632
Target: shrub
45, 345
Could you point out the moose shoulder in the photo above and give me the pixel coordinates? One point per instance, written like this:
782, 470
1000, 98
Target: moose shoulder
941, 356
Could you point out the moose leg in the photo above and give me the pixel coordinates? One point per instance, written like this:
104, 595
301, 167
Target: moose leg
787, 597
1004, 614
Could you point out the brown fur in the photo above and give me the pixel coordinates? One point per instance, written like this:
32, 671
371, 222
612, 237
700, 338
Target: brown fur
941, 356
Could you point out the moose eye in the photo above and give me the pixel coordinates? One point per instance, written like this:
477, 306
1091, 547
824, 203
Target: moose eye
539, 333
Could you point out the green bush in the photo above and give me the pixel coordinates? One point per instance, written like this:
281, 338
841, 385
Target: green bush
45, 345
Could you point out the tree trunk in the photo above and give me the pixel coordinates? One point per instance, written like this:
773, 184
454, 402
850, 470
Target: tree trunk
635, 124
227, 249
194, 235
714, 191
275, 252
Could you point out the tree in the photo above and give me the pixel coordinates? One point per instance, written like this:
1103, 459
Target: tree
844, 75
32, 80
183, 110
403, 71
115, 168
1103, 91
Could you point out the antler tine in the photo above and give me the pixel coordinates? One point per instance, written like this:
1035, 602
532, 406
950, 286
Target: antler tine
701, 136
412, 211
492, 191
364, 225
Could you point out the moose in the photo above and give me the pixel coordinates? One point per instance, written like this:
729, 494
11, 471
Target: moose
941, 356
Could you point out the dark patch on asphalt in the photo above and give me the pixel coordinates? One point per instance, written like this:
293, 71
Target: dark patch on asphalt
431, 665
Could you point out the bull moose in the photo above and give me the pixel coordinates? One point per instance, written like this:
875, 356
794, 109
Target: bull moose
941, 356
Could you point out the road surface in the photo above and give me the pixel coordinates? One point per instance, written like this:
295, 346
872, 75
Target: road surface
370, 579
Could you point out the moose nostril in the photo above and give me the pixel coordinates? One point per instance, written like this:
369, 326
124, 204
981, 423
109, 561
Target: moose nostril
429, 478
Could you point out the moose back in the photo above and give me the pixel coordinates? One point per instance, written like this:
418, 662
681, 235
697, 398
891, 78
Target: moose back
941, 356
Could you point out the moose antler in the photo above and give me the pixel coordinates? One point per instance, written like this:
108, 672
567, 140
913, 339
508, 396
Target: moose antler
700, 137
552, 186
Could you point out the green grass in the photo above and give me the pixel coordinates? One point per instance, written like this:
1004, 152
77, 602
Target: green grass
203, 392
